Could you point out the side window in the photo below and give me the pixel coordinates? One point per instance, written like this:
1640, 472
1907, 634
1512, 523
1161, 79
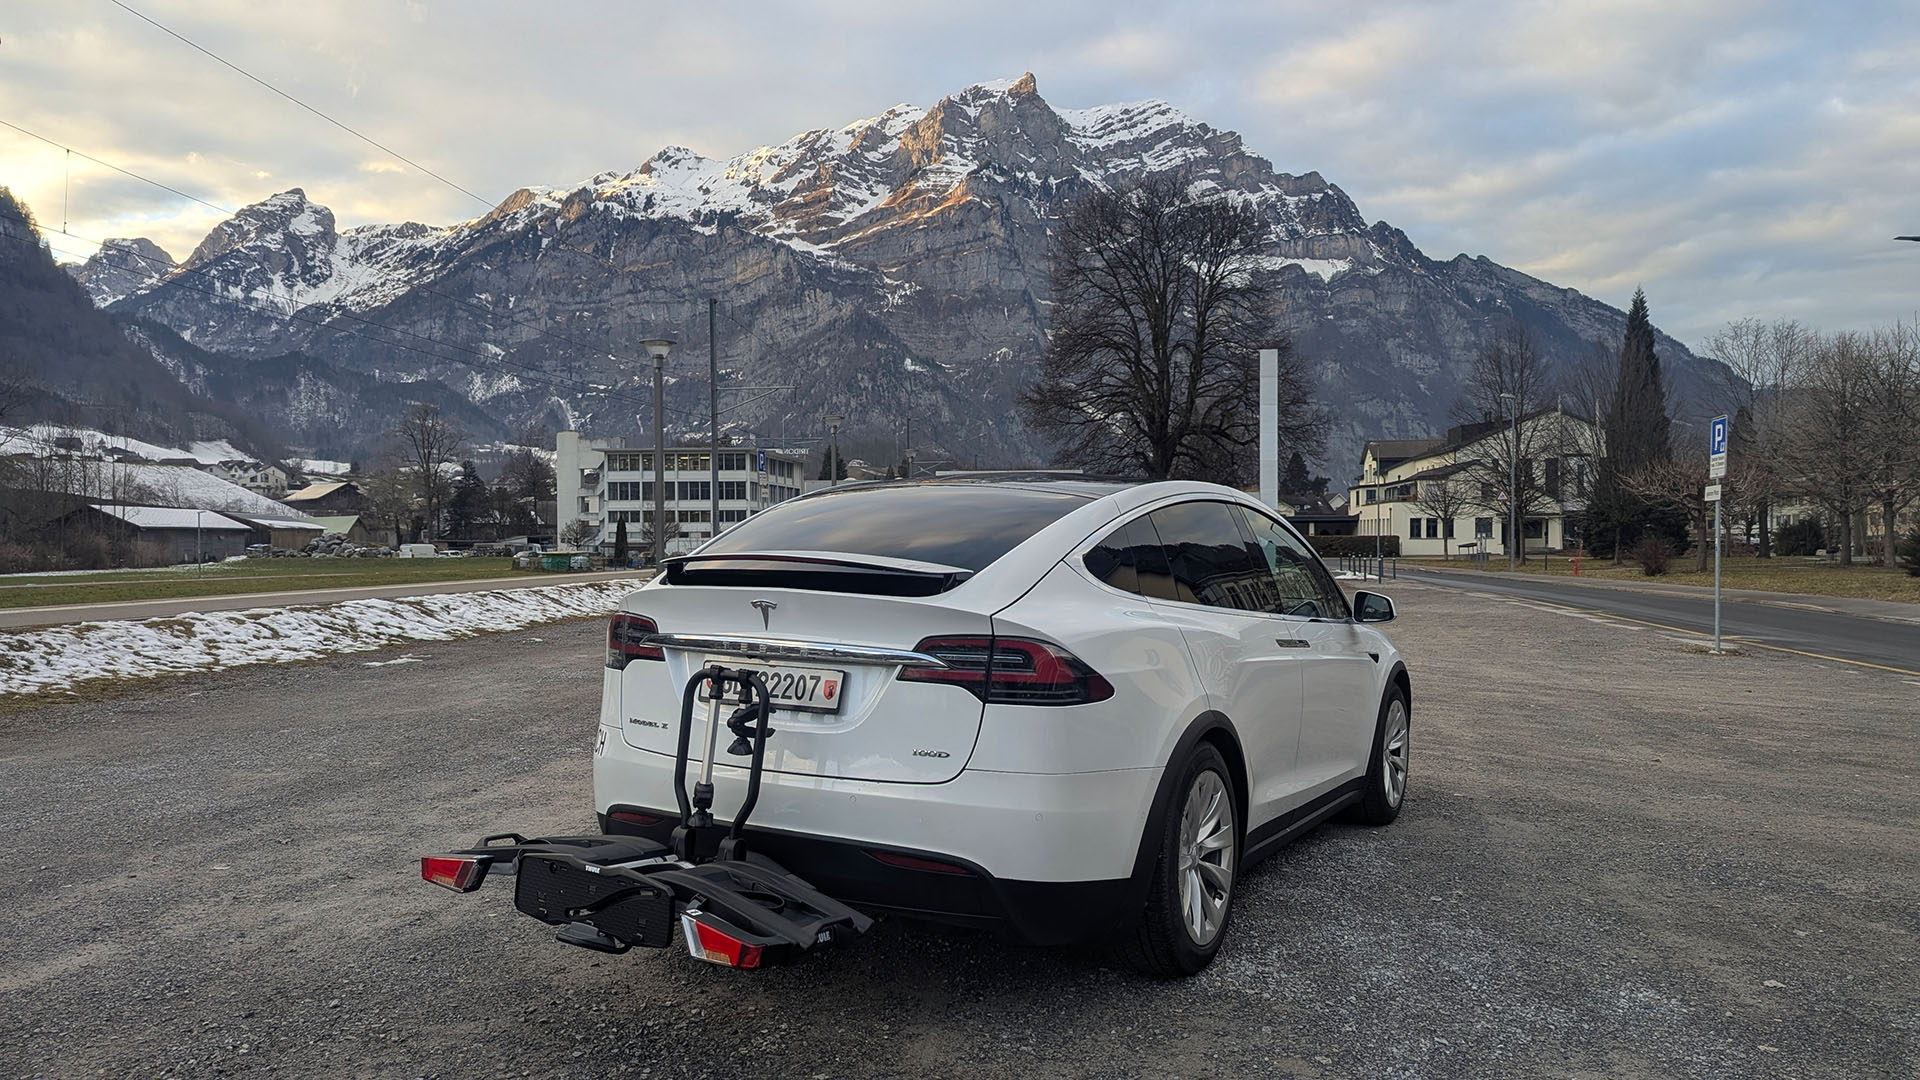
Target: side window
1209, 558
1129, 559
1304, 586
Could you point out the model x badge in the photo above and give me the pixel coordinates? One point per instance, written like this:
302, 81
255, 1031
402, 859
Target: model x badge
765, 608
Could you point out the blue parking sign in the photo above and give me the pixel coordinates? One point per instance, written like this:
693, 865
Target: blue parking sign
763, 461
1718, 440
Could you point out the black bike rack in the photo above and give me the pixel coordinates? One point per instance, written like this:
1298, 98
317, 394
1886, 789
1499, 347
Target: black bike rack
613, 892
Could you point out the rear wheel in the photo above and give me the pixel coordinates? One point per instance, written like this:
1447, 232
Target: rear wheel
1387, 772
1190, 902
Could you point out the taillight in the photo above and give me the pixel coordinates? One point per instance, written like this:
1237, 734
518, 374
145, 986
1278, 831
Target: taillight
714, 945
456, 872
1011, 671
630, 637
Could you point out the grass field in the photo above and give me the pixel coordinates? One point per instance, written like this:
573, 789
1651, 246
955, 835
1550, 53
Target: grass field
1812, 577
242, 576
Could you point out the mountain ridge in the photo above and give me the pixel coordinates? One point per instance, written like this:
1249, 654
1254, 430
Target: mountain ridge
889, 267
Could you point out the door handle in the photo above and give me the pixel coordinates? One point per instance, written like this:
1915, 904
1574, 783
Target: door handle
1292, 643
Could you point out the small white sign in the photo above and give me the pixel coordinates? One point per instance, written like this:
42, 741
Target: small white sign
1713, 492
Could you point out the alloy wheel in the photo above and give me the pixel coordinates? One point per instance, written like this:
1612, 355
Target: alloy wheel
1393, 753
1206, 857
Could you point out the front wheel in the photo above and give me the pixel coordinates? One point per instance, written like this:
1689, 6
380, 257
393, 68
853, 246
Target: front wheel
1190, 901
1387, 771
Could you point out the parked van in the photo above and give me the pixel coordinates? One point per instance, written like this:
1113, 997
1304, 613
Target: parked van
418, 551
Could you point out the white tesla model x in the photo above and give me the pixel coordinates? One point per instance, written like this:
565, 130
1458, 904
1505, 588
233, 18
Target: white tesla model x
1064, 708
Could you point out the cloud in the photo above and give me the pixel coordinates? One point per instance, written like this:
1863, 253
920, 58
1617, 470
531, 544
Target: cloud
1734, 158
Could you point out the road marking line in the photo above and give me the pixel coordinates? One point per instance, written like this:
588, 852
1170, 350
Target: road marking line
1740, 640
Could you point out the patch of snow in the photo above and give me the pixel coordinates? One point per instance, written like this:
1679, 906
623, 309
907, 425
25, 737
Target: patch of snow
62, 657
1324, 269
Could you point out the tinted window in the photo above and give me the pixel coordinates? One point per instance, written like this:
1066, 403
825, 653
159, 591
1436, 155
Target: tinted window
1130, 559
963, 525
1301, 585
1211, 560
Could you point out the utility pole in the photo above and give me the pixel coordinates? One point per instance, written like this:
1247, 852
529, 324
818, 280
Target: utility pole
833, 450
658, 348
713, 422
1513, 485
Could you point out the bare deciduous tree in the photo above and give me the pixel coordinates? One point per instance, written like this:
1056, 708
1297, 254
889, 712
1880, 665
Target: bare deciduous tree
1678, 482
1151, 363
1445, 497
1509, 378
430, 442
1761, 361
1892, 477
1829, 449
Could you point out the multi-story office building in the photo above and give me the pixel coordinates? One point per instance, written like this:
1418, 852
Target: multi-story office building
603, 481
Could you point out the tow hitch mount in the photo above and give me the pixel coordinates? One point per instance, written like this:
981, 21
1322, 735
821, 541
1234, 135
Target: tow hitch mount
611, 893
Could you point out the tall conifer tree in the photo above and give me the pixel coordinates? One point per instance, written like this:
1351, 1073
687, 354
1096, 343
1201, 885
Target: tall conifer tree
1639, 433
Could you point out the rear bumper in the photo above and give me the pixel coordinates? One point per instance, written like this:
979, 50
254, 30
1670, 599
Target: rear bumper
1041, 912
1051, 857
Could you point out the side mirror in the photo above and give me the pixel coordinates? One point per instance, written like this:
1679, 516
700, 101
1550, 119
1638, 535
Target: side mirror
1372, 607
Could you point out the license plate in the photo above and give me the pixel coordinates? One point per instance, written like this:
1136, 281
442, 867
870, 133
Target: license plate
809, 688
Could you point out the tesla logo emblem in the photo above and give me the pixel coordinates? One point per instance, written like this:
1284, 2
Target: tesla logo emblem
765, 608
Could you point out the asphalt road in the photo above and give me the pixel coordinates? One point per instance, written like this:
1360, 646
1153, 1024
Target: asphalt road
13, 618
1807, 624
1649, 863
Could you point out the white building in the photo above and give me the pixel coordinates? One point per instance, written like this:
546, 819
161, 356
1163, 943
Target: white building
602, 481
1404, 483
255, 476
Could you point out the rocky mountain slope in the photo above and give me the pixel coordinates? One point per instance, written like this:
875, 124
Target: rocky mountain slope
891, 268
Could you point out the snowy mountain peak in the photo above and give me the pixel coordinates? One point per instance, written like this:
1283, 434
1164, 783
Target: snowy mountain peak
120, 268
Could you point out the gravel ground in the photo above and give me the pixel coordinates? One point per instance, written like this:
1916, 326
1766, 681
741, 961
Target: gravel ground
1620, 858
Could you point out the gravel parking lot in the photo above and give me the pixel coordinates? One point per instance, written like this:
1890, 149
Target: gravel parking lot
1620, 858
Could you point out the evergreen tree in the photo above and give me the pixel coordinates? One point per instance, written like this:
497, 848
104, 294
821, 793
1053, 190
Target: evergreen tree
1639, 435
1294, 481
620, 543
470, 504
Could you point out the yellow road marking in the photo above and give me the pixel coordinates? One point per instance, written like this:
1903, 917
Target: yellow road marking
1701, 633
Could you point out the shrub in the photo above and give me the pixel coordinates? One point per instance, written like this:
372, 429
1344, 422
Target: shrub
1653, 554
1909, 551
1333, 547
1803, 537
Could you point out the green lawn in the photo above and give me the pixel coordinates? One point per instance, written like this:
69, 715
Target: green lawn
245, 576
1812, 577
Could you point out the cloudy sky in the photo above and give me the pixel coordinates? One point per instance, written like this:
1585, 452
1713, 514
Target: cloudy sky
1733, 158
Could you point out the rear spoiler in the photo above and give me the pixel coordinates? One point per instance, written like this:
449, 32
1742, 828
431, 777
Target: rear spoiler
917, 577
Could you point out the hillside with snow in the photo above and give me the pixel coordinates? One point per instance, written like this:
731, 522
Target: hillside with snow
895, 266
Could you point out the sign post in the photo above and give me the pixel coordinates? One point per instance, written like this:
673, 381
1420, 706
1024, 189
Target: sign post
1716, 469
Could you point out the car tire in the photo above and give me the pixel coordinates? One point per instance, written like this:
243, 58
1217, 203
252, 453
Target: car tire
1386, 784
1189, 906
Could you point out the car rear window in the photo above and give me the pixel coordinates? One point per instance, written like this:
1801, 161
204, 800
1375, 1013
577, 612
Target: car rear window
963, 525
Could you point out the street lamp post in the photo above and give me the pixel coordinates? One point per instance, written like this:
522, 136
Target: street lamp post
833, 450
713, 430
658, 348
1513, 484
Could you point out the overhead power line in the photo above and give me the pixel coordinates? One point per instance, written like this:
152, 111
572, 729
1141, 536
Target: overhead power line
223, 61
422, 287
110, 165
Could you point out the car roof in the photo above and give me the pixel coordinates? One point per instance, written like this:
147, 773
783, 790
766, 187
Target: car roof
1087, 487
